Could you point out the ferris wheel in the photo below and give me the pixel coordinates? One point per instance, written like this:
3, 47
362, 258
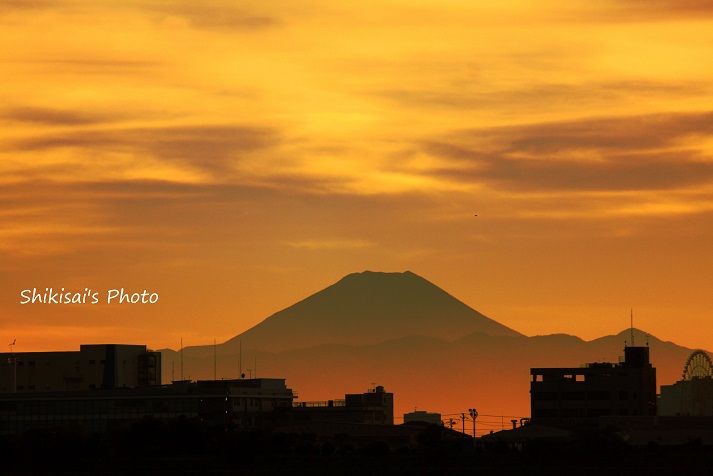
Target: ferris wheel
698, 365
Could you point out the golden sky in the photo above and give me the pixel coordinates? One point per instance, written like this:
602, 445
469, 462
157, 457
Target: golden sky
237, 156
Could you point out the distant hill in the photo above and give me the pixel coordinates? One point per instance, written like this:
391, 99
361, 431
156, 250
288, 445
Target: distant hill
491, 373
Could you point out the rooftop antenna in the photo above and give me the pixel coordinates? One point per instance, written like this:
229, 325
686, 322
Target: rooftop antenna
14, 366
632, 327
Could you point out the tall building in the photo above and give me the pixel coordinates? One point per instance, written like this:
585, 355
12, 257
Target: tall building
93, 366
575, 396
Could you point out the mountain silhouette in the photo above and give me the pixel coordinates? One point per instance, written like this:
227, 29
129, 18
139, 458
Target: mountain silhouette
368, 308
403, 332
489, 372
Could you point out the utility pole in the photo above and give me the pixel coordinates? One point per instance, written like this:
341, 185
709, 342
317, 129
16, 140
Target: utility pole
473, 414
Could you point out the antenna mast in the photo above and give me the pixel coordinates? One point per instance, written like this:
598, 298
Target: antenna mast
632, 327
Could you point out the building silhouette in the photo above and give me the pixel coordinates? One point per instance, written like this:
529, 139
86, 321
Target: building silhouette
579, 396
243, 404
110, 387
93, 366
422, 416
374, 407
693, 394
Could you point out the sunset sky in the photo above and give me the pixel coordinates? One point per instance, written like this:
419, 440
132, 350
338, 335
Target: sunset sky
235, 157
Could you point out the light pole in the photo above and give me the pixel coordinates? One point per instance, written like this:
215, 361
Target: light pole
473, 414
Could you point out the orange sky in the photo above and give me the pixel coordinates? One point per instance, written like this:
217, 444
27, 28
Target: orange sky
236, 156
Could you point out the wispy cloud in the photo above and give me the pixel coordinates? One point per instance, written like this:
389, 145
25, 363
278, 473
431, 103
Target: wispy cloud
55, 117
462, 94
632, 153
212, 149
214, 14
331, 244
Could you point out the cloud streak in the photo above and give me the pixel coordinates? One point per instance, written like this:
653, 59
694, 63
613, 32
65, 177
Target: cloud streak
654, 152
214, 14
213, 149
